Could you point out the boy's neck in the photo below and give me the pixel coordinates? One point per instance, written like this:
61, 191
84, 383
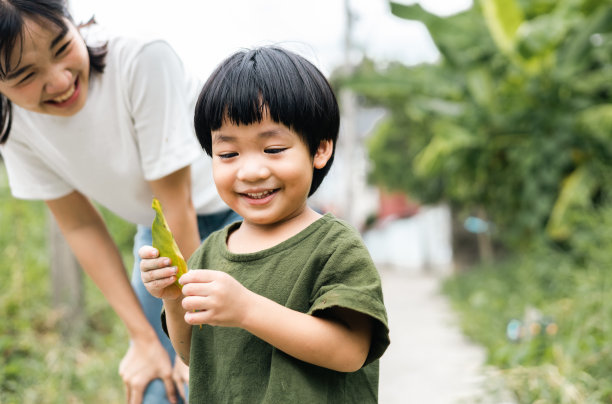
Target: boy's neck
251, 237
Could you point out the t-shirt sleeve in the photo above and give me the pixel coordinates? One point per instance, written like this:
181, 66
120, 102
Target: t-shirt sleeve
162, 98
350, 280
29, 177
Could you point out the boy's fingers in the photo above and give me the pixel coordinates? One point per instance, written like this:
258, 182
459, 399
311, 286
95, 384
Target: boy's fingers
159, 275
198, 275
147, 251
155, 263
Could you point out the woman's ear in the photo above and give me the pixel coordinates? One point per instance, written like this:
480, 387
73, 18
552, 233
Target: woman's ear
323, 154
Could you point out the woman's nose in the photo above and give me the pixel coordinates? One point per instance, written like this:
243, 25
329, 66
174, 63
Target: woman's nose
58, 80
253, 169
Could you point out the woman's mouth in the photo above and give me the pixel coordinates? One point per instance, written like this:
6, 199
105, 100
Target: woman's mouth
68, 97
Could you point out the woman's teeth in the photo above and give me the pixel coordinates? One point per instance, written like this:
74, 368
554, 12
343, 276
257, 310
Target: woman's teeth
66, 95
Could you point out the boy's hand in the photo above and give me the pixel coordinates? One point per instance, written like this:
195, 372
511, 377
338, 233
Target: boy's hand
157, 275
214, 298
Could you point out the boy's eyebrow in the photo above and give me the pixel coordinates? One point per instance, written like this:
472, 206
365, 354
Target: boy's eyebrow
18, 72
220, 137
271, 133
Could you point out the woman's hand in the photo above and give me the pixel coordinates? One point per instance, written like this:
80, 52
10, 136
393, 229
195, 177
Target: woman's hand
157, 275
180, 375
214, 298
144, 362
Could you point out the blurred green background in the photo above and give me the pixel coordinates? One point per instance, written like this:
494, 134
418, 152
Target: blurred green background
513, 126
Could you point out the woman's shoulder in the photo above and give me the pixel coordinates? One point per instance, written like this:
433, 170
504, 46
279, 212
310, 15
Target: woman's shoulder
123, 49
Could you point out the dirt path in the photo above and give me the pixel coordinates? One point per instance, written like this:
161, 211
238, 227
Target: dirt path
429, 361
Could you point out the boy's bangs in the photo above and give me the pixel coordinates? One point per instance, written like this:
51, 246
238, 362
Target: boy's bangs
252, 91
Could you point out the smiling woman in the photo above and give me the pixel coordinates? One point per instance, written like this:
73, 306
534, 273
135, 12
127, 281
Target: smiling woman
110, 123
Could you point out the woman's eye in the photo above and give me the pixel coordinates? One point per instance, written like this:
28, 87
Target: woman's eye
62, 49
26, 78
276, 150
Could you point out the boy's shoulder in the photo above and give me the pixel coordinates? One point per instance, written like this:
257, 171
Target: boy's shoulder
336, 228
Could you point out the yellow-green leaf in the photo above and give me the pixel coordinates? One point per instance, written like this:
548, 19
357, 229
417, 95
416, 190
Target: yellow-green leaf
164, 241
576, 191
503, 17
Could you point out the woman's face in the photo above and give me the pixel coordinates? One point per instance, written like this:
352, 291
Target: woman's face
50, 72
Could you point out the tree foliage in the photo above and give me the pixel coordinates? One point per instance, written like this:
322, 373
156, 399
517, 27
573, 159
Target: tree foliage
514, 119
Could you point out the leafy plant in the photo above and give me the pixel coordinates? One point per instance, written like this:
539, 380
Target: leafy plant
513, 121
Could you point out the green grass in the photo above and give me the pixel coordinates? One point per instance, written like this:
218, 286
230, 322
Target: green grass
571, 366
38, 364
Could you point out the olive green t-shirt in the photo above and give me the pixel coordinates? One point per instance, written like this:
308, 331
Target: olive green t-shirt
324, 266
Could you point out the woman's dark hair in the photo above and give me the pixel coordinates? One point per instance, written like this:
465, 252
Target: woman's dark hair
270, 79
12, 21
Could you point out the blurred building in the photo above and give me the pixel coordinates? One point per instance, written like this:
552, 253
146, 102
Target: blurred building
398, 231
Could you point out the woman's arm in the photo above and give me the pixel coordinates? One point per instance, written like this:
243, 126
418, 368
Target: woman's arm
88, 237
340, 340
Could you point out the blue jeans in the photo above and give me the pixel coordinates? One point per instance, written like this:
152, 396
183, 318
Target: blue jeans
152, 306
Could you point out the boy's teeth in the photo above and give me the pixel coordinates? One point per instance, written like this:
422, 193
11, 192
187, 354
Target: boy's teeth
259, 195
66, 95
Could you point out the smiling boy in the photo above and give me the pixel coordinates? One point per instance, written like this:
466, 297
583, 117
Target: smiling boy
290, 300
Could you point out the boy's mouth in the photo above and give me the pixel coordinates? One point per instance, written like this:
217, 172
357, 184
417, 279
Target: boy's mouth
260, 195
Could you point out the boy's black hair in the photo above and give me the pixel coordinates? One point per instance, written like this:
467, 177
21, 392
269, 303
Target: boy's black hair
290, 88
12, 21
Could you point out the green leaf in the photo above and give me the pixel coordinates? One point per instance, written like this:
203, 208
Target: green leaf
164, 241
574, 55
480, 86
461, 38
597, 121
503, 17
576, 191
448, 140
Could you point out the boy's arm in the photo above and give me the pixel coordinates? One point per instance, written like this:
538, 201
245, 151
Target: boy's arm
339, 341
158, 278
178, 330
174, 193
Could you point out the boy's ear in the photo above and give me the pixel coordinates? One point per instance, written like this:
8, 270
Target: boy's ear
323, 154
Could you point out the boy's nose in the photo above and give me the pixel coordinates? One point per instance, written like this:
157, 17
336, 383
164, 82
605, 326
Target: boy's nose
253, 170
58, 81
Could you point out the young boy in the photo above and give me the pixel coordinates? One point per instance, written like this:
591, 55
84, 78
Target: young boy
290, 300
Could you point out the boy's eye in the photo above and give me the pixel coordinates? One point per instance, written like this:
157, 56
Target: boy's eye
275, 150
227, 155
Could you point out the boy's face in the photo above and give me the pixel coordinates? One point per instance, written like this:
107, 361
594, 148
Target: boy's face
51, 70
263, 171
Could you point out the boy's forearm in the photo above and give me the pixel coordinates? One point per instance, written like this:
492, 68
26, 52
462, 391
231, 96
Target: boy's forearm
322, 342
178, 330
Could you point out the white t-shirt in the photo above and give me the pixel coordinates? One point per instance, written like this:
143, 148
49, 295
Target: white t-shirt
136, 126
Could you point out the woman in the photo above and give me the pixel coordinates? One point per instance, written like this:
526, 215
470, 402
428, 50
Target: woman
110, 123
